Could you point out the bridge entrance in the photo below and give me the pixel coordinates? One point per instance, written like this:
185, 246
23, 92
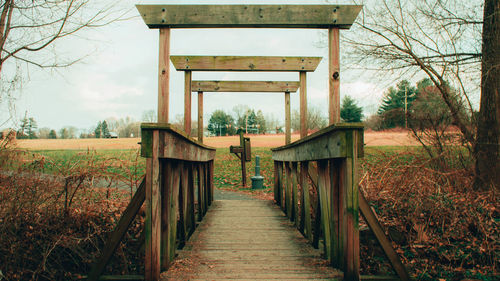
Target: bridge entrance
315, 178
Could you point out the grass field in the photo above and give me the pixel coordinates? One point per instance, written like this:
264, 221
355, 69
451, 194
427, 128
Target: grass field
390, 138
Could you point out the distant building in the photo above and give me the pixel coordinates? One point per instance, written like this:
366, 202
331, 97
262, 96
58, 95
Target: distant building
112, 135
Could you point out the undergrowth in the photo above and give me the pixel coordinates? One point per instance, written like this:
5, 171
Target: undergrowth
56, 215
440, 227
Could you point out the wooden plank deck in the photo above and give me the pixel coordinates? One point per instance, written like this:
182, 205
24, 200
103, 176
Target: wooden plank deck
248, 240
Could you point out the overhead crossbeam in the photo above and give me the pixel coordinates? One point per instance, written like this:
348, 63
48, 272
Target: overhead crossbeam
244, 63
260, 16
245, 86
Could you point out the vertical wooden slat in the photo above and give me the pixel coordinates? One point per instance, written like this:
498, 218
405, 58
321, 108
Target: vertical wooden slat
211, 180
202, 182
351, 224
303, 104
200, 117
187, 102
325, 205
183, 203
153, 214
163, 75
207, 186
295, 194
337, 213
166, 190
306, 203
199, 193
191, 201
333, 76
281, 186
276, 184
288, 190
288, 126
174, 203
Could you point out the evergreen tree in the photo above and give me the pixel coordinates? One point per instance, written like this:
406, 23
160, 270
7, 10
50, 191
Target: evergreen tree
261, 122
52, 134
350, 111
221, 123
105, 129
392, 110
98, 130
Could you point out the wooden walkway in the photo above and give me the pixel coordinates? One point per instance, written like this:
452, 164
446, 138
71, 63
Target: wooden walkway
248, 240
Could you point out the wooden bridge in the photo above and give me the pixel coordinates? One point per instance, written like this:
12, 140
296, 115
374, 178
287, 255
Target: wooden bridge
315, 235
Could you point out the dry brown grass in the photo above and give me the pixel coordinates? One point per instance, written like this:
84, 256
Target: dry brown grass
389, 138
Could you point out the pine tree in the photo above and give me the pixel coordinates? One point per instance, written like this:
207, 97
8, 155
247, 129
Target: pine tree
392, 110
52, 134
350, 111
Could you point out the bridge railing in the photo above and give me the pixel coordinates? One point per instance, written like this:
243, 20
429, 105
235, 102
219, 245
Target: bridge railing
315, 183
179, 189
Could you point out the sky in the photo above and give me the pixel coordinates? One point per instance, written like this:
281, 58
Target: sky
118, 77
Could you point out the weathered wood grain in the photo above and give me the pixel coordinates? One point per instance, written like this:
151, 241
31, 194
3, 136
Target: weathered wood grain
164, 75
224, 247
153, 212
327, 143
259, 16
245, 86
306, 203
187, 102
303, 104
244, 63
200, 116
175, 144
288, 119
333, 75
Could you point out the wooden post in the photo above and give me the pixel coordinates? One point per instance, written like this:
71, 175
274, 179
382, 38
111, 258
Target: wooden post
153, 214
333, 76
337, 211
191, 202
183, 203
288, 190
288, 130
351, 219
164, 75
187, 102
303, 104
200, 117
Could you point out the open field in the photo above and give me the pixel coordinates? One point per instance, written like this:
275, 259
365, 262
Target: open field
390, 138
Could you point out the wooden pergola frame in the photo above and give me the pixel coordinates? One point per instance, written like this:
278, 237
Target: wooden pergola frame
331, 17
188, 64
286, 87
166, 17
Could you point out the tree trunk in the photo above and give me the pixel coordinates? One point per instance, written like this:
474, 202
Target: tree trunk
488, 129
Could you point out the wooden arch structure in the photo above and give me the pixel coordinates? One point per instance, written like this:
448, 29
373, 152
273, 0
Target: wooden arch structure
302, 65
179, 170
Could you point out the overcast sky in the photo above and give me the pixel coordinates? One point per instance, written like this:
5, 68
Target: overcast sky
119, 77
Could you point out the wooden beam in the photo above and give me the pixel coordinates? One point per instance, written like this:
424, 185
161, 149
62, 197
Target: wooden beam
164, 75
187, 102
200, 117
244, 63
153, 213
245, 86
333, 76
327, 143
325, 205
117, 235
303, 104
260, 16
175, 144
288, 122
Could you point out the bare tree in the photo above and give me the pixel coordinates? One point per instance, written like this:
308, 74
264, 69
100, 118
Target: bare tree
29, 30
438, 38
